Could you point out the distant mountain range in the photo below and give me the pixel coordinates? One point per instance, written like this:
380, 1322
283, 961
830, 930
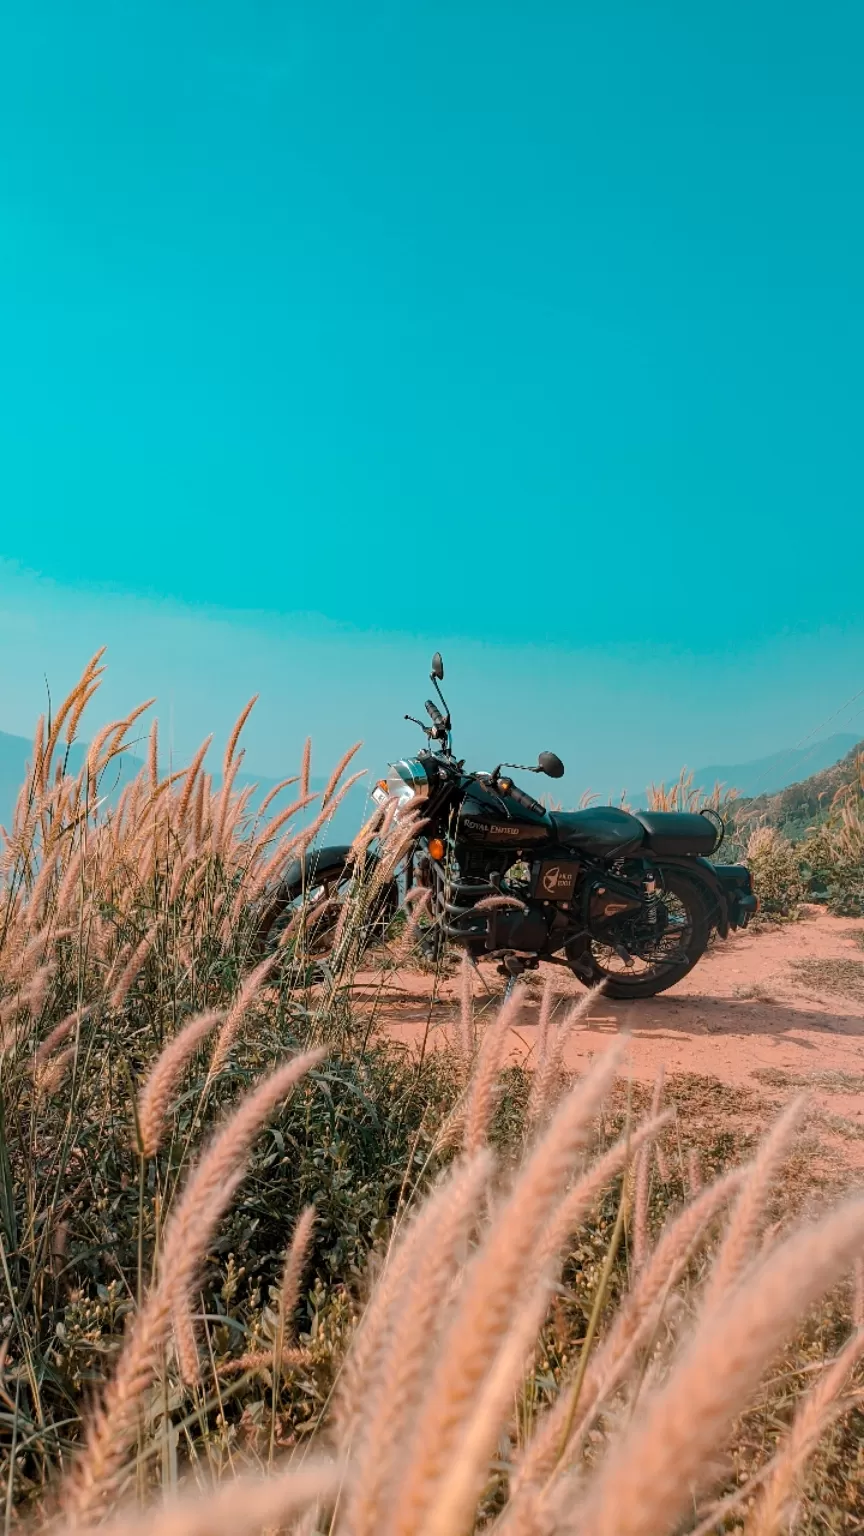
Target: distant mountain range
767, 775
16, 752
800, 806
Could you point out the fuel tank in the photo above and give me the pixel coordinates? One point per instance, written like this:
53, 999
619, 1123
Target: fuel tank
509, 819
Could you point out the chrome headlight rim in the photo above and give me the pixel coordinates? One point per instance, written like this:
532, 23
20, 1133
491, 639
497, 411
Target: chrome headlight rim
409, 779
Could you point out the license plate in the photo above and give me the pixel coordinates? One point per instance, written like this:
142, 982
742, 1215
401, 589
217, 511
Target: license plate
379, 795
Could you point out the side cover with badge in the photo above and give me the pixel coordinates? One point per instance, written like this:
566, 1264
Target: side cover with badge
555, 880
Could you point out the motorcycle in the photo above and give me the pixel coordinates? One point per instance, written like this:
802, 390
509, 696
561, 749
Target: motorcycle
625, 898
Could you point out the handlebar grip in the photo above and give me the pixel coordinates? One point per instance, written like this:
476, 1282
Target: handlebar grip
434, 713
526, 801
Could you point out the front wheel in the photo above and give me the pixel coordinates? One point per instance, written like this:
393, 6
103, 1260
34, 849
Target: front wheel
655, 955
313, 907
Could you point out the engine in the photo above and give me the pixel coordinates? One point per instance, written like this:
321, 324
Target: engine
489, 929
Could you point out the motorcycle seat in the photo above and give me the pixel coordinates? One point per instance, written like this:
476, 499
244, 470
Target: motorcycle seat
599, 830
678, 832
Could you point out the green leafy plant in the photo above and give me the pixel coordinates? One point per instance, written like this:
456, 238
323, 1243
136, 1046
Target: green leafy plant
774, 866
833, 857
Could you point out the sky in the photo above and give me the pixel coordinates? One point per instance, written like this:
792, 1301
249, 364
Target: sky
330, 334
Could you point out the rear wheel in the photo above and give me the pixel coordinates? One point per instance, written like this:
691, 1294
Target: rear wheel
649, 957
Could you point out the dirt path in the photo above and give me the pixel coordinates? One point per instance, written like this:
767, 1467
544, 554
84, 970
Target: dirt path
775, 1009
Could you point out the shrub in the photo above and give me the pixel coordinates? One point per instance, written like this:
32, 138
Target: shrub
130, 928
773, 864
440, 1420
833, 855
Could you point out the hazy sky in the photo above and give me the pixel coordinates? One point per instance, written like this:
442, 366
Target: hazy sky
329, 333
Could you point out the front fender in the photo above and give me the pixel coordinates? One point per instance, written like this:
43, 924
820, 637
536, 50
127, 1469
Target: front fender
314, 863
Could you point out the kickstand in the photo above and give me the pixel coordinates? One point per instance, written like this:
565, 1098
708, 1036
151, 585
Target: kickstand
477, 972
513, 967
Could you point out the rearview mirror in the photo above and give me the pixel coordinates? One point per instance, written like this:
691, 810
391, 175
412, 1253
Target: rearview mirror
437, 667
551, 765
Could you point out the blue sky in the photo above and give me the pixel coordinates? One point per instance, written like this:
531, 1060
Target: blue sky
333, 331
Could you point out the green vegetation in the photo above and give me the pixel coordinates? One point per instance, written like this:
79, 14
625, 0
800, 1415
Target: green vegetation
795, 810
806, 843
775, 868
173, 1103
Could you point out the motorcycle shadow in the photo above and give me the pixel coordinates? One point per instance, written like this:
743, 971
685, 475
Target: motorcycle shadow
692, 1016
762, 1014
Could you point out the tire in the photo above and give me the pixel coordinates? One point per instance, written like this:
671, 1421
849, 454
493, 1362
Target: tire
324, 892
593, 963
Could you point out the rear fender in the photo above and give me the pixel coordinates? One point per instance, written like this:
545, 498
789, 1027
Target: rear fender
704, 875
742, 902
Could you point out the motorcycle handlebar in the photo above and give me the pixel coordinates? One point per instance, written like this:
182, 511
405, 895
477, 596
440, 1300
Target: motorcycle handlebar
434, 713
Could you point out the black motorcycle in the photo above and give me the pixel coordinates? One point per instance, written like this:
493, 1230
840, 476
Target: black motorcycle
629, 899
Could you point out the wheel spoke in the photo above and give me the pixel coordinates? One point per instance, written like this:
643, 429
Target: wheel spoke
649, 957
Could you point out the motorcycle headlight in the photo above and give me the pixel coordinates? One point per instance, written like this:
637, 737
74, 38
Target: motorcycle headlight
409, 780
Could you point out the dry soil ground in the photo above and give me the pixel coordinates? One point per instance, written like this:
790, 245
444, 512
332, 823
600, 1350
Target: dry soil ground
764, 1012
